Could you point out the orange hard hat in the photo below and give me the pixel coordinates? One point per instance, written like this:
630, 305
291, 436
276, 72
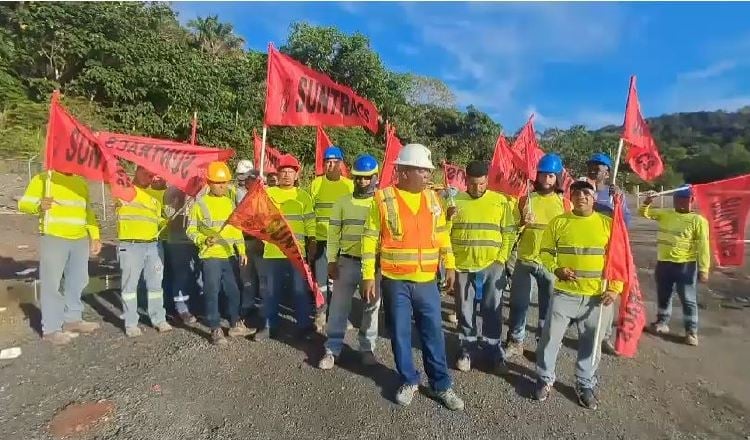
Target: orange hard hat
219, 172
288, 161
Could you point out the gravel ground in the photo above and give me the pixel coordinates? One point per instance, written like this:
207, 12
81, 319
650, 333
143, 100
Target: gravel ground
178, 386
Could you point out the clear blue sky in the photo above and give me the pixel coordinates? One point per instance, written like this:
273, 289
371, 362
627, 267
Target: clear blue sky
569, 63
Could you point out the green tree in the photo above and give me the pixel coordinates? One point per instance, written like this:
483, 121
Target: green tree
214, 37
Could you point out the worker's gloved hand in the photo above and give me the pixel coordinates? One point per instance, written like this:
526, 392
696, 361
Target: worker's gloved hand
450, 278
368, 291
333, 270
46, 203
95, 246
565, 274
608, 297
703, 277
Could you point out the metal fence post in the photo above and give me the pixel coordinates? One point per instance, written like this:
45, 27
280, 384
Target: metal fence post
662, 196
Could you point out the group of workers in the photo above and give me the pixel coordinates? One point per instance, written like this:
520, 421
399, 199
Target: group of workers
389, 244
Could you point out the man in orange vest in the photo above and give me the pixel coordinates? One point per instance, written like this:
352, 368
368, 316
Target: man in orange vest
406, 227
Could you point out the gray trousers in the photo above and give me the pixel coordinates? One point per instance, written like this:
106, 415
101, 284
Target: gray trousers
62, 263
584, 311
137, 259
491, 281
350, 278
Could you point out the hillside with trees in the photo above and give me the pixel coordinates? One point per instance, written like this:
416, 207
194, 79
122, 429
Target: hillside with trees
133, 68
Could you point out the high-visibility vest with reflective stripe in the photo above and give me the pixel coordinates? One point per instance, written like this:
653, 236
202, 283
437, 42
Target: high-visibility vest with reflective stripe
477, 230
408, 241
71, 215
158, 194
207, 217
578, 243
296, 206
347, 226
140, 218
544, 208
682, 237
324, 194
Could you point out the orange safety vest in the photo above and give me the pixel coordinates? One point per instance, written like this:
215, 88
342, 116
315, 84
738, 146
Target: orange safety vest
408, 243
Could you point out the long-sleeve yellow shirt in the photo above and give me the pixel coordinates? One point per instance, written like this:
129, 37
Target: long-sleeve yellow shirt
324, 194
346, 227
296, 206
682, 237
371, 242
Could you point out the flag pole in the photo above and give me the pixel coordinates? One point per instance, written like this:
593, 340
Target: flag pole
263, 152
617, 161
194, 130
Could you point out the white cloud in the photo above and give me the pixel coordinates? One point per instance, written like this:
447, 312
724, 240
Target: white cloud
710, 71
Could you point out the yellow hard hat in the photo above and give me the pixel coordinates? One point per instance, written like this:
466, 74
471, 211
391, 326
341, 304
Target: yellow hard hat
219, 172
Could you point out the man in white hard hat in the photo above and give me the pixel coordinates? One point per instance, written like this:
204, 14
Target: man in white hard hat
245, 174
406, 226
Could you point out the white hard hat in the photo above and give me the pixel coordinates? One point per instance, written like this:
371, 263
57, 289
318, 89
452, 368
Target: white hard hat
244, 166
415, 155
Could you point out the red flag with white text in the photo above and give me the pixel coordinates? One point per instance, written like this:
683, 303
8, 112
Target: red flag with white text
322, 141
504, 175
642, 155
71, 147
272, 154
392, 149
725, 204
455, 176
298, 95
258, 216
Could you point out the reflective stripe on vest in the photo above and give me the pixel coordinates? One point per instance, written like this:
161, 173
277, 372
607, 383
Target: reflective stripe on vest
567, 250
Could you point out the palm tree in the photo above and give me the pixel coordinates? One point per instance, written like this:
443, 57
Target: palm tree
214, 37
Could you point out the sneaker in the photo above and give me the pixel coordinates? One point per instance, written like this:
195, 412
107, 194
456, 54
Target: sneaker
542, 390
450, 400
463, 363
405, 394
608, 347
133, 332
217, 337
58, 338
513, 348
187, 318
586, 398
163, 327
691, 338
81, 327
452, 318
658, 328
368, 359
327, 362
239, 330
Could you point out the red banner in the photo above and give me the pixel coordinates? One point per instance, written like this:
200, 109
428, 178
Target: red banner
272, 154
258, 216
299, 95
322, 141
567, 180
528, 149
505, 175
725, 203
181, 165
455, 176
619, 266
642, 155
392, 148
72, 148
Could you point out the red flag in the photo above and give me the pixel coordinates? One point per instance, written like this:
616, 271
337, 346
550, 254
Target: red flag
71, 147
272, 154
194, 130
299, 95
322, 141
392, 149
258, 216
642, 156
181, 165
455, 176
528, 149
725, 203
505, 176
619, 266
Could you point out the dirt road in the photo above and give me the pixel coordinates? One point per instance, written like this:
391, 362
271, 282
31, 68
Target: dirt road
178, 386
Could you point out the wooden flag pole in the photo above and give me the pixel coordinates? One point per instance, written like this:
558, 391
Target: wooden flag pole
617, 161
263, 153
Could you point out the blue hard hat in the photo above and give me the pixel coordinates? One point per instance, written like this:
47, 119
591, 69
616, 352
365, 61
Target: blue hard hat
601, 158
550, 163
365, 165
685, 192
333, 152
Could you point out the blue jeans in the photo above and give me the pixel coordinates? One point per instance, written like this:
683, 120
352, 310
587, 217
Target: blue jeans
250, 278
182, 259
274, 274
138, 259
220, 274
683, 278
62, 263
320, 269
491, 281
520, 297
423, 299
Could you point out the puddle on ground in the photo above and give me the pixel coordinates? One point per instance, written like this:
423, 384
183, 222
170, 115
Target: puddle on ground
27, 291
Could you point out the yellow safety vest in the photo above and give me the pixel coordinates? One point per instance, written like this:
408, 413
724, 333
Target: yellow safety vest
296, 206
140, 218
207, 216
544, 209
324, 194
481, 231
158, 194
70, 216
347, 226
682, 237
